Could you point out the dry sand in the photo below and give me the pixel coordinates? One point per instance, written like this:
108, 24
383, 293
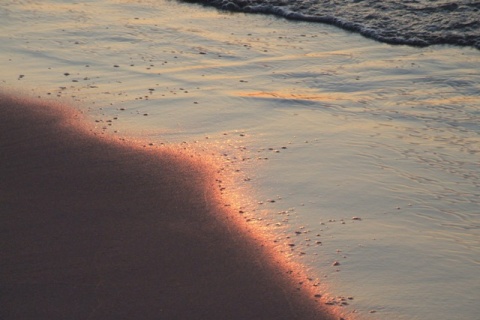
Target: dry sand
96, 229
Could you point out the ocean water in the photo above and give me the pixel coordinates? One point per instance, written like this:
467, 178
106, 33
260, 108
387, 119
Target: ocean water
415, 22
363, 154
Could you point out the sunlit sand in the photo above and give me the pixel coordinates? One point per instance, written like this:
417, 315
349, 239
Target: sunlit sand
97, 228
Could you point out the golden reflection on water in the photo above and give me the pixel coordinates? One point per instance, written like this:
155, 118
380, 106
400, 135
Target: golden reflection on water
330, 97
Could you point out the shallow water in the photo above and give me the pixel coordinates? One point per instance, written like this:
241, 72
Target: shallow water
415, 22
332, 126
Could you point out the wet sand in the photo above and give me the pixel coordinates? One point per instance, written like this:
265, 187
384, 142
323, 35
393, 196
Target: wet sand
96, 228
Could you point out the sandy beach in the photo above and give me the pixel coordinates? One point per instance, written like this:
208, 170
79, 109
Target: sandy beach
97, 229
353, 162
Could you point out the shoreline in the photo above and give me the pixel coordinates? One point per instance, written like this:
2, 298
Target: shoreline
383, 133
95, 228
